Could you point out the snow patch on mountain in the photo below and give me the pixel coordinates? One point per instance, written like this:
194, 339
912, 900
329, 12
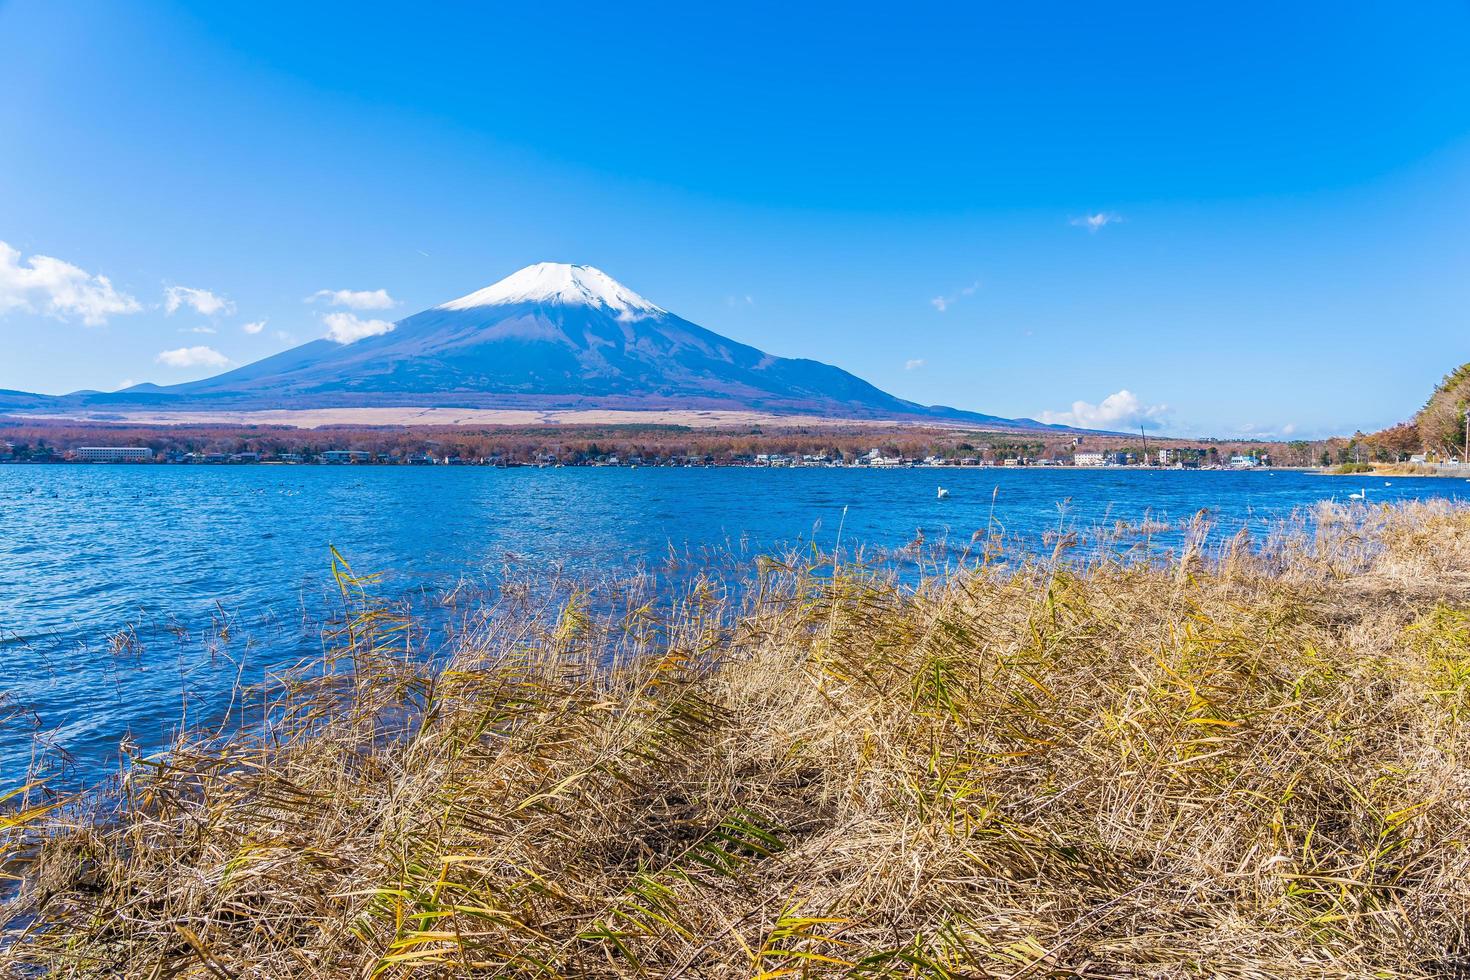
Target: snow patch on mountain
560, 283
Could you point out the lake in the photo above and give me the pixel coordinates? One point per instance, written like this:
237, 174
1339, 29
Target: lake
115, 581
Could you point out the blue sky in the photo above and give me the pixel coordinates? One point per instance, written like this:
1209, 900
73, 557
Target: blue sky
1279, 193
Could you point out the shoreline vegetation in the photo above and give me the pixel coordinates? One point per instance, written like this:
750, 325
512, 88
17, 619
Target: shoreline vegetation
1246, 759
1451, 470
796, 442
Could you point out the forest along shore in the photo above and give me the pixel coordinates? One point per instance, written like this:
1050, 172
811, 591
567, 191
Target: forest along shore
1248, 761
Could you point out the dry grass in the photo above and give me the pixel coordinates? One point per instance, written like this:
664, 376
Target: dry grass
1410, 469
1253, 765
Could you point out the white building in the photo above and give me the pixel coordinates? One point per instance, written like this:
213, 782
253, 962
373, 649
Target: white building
1088, 459
113, 454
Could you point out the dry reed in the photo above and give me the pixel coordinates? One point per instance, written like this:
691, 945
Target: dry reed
1248, 763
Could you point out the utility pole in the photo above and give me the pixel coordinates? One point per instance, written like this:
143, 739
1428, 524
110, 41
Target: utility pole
1466, 457
1145, 438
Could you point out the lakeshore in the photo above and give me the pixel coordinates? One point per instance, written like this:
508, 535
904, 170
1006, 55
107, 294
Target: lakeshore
1241, 761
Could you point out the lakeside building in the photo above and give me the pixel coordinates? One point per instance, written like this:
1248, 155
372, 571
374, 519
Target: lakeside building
113, 454
875, 457
1183, 457
1088, 459
347, 456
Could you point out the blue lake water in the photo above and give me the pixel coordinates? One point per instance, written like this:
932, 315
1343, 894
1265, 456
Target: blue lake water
162, 555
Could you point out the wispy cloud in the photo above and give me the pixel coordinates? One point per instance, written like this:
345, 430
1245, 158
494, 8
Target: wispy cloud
253, 327
47, 285
1270, 430
355, 299
345, 328
1120, 410
913, 364
1097, 221
188, 357
734, 301
201, 301
197, 330
943, 303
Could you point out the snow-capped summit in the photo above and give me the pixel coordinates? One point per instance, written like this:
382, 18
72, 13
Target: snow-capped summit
557, 282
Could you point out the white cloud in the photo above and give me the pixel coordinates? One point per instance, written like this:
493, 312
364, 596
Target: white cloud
254, 327
734, 301
187, 357
1120, 411
345, 328
58, 289
356, 299
913, 364
200, 300
199, 330
1096, 222
942, 303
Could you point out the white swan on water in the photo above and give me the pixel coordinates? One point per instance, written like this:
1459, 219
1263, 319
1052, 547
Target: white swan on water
1360, 495
942, 493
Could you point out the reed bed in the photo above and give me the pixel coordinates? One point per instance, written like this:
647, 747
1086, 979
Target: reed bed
1248, 762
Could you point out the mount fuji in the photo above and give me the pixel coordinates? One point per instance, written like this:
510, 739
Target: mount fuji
551, 336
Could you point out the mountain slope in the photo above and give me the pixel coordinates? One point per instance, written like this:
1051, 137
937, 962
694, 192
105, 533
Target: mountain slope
551, 336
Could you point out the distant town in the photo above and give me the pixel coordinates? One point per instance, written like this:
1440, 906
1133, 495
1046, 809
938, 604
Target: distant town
1177, 458
799, 443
